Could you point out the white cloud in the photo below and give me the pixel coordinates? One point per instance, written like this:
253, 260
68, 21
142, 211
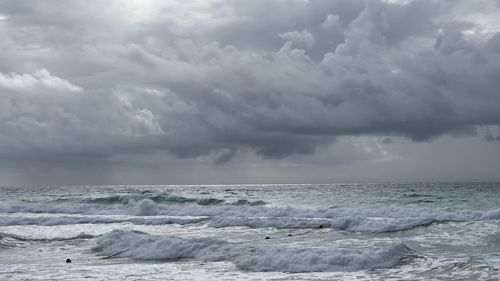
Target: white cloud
41, 79
301, 39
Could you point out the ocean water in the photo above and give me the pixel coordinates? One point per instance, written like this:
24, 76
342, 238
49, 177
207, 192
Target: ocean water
417, 231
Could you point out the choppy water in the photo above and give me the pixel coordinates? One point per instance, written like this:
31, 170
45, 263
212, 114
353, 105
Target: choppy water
316, 232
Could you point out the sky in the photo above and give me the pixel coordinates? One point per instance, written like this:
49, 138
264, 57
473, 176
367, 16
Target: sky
261, 91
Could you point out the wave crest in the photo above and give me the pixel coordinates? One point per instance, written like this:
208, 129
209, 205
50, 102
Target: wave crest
139, 245
68, 220
242, 213
165, 199
8, 236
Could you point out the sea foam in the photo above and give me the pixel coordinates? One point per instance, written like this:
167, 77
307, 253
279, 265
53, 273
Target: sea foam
365, 219
138, 245
68, 220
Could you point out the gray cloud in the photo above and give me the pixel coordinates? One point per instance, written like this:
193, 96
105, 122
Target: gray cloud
91, 82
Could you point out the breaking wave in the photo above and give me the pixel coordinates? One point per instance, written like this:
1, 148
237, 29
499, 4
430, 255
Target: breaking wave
355, 224
8, 236
242, 213
144, 246
66, 220
166, 198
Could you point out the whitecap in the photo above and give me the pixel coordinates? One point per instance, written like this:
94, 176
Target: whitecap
137, 245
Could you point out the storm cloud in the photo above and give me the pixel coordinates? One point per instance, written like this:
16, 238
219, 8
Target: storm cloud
91, 82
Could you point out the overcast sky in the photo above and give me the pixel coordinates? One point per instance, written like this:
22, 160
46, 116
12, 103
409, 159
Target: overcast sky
227, 91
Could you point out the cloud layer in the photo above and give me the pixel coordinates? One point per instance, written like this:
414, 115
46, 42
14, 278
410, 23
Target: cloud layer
90, 82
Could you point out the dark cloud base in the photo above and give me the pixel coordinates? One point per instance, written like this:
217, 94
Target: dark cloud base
90, 82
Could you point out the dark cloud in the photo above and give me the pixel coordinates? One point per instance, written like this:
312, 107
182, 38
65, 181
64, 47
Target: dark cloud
88, 82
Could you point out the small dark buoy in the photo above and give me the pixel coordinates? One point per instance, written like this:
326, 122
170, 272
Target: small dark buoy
320, 226
290, 234
68, 260
267, 237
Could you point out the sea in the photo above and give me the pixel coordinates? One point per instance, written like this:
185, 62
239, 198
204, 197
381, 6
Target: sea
341, 231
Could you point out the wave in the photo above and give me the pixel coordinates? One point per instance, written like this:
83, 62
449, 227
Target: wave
8, 236
353, 224
371, 220
465, 270
166, 198
144, 246
373, 225
242, 202
144, 207
413, 195
65, 220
